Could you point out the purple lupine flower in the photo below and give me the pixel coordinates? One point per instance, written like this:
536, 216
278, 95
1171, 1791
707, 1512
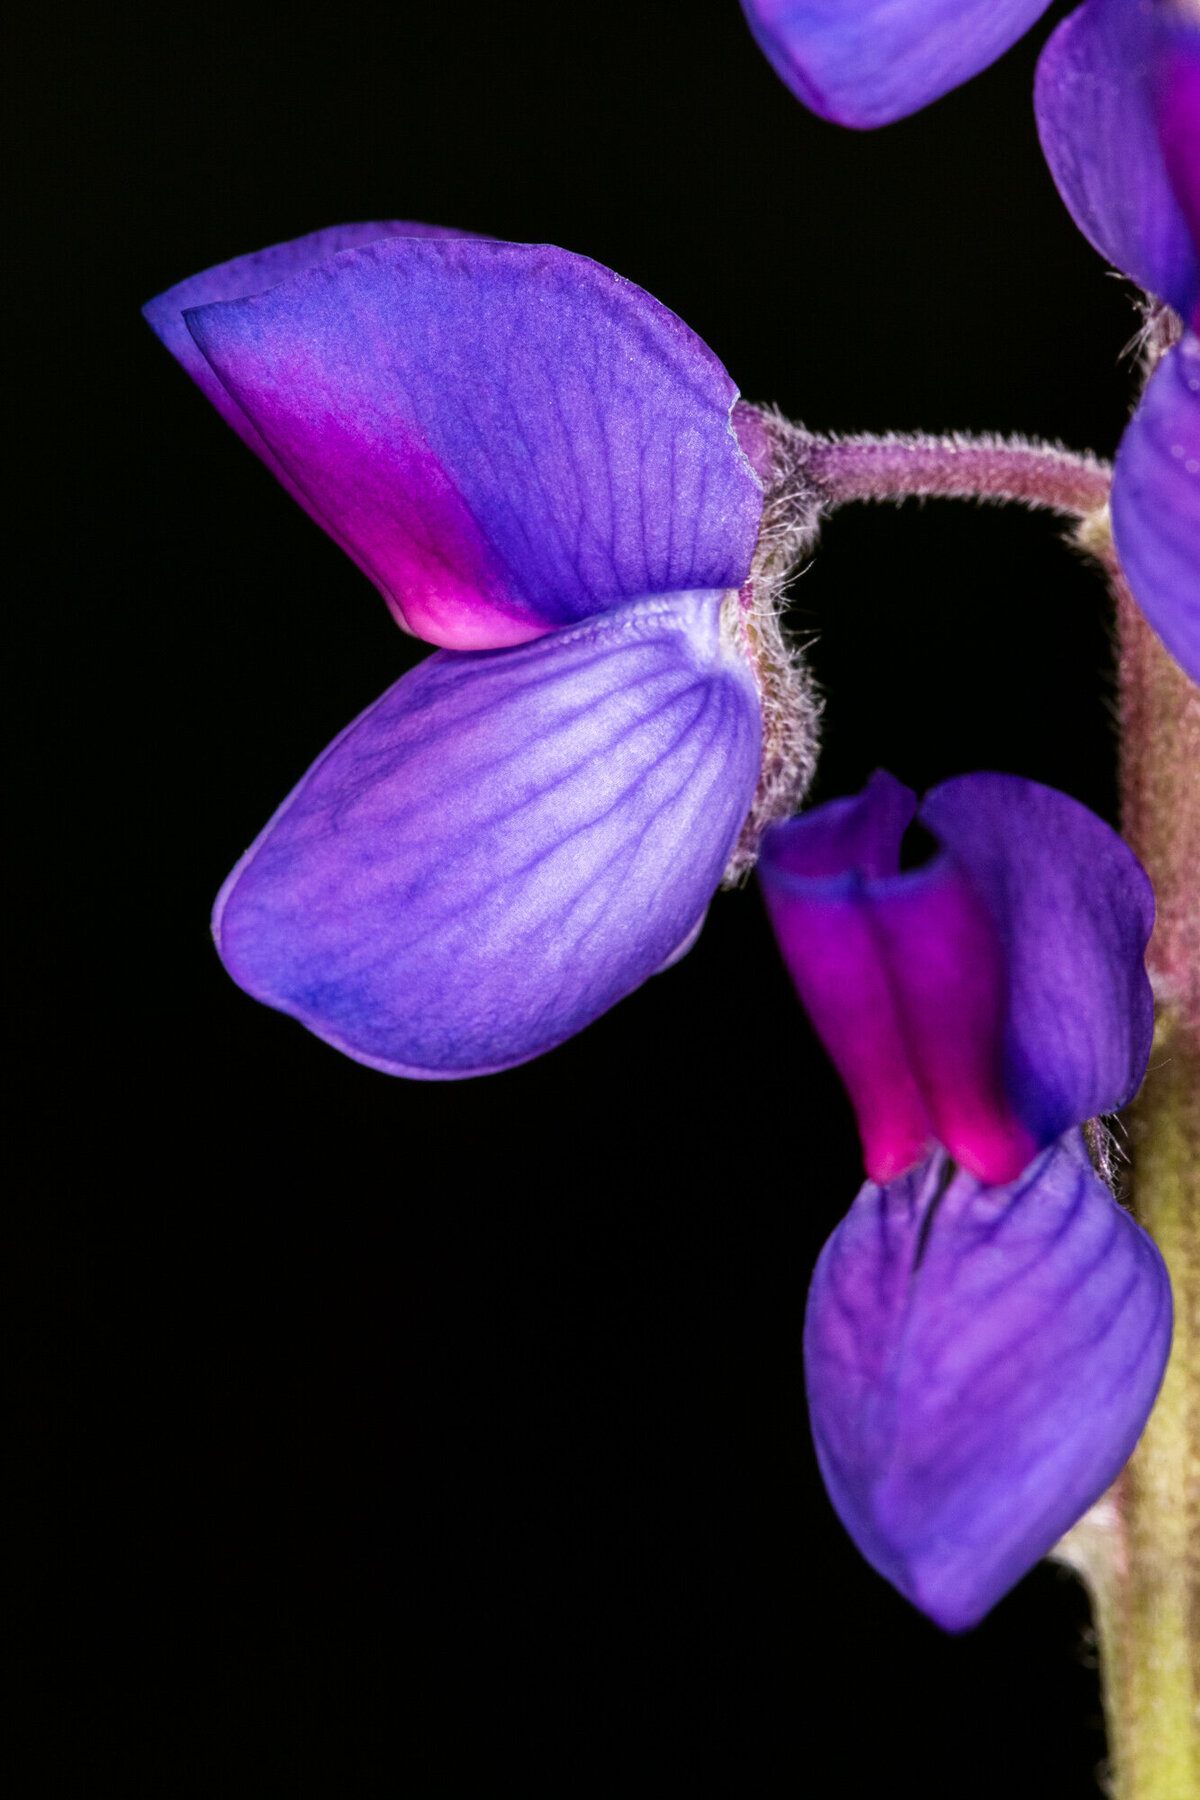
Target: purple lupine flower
1118, 107
535, 462
869, 62
987, 1328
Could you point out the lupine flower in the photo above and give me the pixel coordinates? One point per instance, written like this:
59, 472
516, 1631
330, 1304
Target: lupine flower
869, 62
987, 1328
1118, 106
536, 464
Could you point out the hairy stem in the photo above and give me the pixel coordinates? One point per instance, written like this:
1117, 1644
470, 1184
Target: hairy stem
957, 467
1139, 1547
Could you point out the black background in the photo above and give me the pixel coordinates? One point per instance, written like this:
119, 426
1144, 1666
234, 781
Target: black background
403, 1438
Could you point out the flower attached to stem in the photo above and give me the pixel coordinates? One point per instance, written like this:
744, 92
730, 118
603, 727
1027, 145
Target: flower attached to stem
538, 466
1118, 109
987, 1328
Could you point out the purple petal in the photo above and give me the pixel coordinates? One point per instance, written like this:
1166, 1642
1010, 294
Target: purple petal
1073, 910
980, 1363
868, 62
947, 971
254, 274
1156, 503
1094, 98
858, 836
814, 872
509, 437
504, 844
986, 1001
1177, 114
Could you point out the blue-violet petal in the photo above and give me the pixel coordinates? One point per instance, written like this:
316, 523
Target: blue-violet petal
980, 1363
255, 274
867, 62
1094, 97
504, 844
1074, 909
509, 437
1156, 503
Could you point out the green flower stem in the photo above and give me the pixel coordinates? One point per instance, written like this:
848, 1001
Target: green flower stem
1139, 1548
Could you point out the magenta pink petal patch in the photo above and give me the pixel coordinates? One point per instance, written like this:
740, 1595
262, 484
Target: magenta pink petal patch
507, 438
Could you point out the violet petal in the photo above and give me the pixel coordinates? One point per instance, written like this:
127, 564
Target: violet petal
1156, 503
1094, 98
980, 1363
987, 1000
867, 62
1073, 909
254, 274
1177, 116
504, 844
509, 437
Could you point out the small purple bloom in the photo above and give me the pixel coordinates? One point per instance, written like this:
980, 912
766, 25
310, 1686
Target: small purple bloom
868, 62
983, 1344
1118, 105
535, 462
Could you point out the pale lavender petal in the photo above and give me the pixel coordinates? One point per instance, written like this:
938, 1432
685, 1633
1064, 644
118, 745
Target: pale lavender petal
1156, 503
504, 844
254, 274
510, 437
1094, 98
1073, 910
868, 62
980, 1363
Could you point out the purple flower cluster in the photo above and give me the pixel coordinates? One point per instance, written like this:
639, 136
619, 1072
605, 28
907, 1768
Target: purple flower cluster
540, 468
1118, 110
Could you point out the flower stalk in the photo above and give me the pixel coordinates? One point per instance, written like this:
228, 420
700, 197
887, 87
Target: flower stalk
1139, 1548
956, 466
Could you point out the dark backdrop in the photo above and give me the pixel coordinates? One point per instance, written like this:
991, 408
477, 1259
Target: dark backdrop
402, 1438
